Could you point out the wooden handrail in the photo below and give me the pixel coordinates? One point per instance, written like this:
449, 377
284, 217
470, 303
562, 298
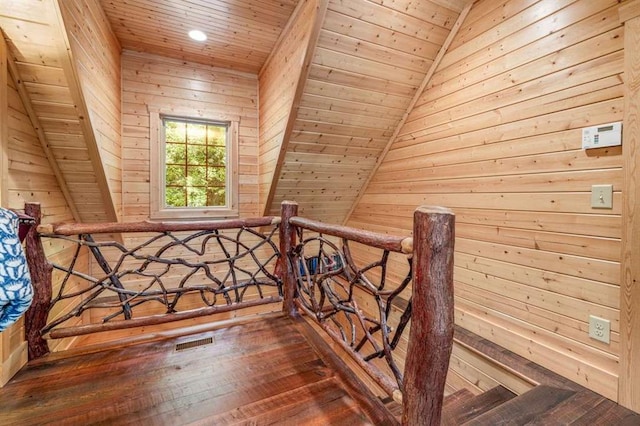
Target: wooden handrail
124, 227
243, 268
430, 254
431, 307
153, 320
373, 239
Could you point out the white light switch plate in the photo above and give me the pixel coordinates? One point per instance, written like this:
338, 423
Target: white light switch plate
602, 196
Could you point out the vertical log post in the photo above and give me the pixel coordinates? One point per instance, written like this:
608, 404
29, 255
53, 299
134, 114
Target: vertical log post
288, 210
431, 335
40, 270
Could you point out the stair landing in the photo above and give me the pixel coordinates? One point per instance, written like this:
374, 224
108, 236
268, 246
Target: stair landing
266, 371
262, 372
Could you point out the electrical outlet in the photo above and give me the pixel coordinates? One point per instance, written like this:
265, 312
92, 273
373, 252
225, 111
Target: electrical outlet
599, 329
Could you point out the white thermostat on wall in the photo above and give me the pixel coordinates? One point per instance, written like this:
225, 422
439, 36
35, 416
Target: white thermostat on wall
602, 135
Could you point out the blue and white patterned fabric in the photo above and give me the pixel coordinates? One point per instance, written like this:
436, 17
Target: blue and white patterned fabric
15, 282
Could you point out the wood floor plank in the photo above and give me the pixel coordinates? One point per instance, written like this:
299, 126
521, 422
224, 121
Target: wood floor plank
200, 400
568, 411
336, 412
524, 408
181, 382
125, 376
257, 334
282, 406
477, 405
607, 412
458, 397
247, 372
258, 373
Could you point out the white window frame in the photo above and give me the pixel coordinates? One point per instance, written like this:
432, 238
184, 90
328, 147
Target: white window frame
157, 206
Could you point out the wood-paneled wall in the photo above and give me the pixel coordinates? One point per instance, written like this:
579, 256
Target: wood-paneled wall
369, 61
28, 177
281, 81
190, 90
96, 52
43, 54
496, 136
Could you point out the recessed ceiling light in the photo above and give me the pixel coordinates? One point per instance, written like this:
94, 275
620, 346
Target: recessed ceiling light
197, 35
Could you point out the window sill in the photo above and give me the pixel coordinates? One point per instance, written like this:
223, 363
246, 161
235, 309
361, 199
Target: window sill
194, 214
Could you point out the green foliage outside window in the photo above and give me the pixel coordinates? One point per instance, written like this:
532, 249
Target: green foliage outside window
196, 172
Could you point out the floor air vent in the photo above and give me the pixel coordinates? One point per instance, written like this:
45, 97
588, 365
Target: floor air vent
194, 343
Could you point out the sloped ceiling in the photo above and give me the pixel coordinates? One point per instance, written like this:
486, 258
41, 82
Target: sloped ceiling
42, 68
370, 59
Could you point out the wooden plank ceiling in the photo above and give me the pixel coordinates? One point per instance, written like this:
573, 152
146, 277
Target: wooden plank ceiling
241, 33
42, 68
370, 59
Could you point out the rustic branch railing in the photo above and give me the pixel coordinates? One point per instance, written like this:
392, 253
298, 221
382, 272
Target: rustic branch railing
328, 281
226, 265
235, 264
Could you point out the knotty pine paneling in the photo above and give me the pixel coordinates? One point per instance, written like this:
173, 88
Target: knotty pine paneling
188, 90
191, 90
51, 62
97, 55
369, 60
496, 136
630, 268
30, 179
241, 34
279, 82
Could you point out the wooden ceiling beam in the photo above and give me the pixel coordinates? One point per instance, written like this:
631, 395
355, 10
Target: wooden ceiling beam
293, 112
282, 36
42, 137
75, 87
412, 104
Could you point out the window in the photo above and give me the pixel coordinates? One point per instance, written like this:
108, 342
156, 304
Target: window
193, 168
195, 163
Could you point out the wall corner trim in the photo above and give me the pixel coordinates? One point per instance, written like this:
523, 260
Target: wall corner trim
629, 386
629, 10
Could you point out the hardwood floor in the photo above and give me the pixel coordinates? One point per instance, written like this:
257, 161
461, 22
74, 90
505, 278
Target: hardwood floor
255, 373
556, 401
267, 371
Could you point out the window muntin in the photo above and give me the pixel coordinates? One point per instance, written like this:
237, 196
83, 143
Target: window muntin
195, 164
158, 207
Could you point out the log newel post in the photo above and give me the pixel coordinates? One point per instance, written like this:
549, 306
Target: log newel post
288, 210
431, 335
40, 270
